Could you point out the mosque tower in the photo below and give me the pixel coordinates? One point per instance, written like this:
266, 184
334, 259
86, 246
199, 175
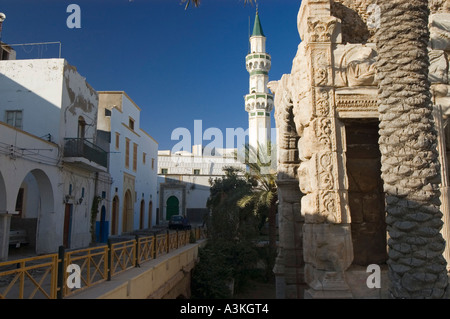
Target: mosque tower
259, 102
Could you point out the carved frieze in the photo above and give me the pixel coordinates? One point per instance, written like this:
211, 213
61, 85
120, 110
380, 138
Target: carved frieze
356, 105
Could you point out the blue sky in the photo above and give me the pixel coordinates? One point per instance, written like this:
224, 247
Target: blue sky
178, 65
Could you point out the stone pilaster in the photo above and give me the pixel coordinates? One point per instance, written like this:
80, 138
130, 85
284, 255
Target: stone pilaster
327, 243
289, 265
444, 187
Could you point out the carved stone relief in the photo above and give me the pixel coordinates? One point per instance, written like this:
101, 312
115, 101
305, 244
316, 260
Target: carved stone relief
355, 65
321, 29
321, 63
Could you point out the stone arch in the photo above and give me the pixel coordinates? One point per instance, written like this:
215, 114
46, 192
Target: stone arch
172, 206
37, 206
127, 218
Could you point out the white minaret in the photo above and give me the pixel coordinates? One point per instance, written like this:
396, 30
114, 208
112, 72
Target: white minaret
259, 102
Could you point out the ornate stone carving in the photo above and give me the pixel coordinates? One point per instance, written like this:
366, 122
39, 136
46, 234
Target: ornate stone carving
357, 66
329, 209
323, 105
324, 130
321, 29
326, 167
353, 103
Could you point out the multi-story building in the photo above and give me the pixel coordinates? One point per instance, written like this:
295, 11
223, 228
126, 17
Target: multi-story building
184, 181
132, 163
51, 169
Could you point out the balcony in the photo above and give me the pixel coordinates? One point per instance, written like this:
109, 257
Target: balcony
85, 154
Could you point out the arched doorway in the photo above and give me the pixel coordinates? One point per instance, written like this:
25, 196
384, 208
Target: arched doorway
115, 215
127, 220
35, 223
173, 207
142, 215
150, 214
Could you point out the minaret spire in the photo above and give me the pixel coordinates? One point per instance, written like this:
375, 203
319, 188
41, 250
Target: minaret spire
259, 102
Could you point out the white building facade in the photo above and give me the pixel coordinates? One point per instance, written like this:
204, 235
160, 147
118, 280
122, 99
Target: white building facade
51, 168
184, 181
132, 163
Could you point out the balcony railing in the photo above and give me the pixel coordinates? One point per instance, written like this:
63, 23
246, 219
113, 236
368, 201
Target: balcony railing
80, 147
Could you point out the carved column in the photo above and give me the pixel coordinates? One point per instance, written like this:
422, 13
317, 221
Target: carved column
327, 243
444, 188
289, 265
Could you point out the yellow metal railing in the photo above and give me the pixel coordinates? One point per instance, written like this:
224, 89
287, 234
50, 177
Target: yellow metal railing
30, 278
161, 244
47, 276
93, 264
183, 238
172, 241
123, 256
146, 247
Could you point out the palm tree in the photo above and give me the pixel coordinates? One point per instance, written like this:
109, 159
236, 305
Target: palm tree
228, 221
410, 165
263, 198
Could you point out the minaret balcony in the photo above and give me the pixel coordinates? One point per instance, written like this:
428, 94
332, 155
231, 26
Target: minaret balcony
258, 56
259, 101
258, 62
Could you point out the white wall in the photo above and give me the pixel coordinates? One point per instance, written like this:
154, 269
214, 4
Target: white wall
78, 99
15, 169
52, 96
181, 169
33, 86
145, 177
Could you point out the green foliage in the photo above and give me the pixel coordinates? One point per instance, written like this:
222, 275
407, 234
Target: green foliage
229, 222
230, 254
264, 195
94, 213
210, 277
